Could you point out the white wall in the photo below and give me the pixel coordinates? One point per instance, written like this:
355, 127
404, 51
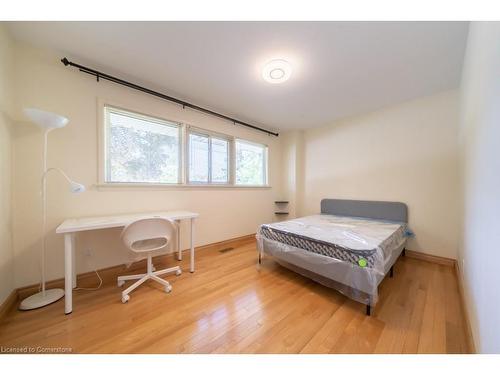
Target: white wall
292, 148
407, 153
6, 251
480, 140
43, 82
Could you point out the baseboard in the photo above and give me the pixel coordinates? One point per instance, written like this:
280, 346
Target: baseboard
110, 273
461, 292
431, 258
233, 242
8, 304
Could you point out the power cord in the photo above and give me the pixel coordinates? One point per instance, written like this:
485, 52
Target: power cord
91, 289
98, 276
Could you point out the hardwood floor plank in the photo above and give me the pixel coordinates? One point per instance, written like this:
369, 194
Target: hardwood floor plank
327, 336
456, 341
290, 335
410, 345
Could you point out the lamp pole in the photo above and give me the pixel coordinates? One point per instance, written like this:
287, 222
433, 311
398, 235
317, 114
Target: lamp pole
44, 207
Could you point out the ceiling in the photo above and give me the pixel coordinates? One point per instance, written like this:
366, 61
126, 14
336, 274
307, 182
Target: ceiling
340, 69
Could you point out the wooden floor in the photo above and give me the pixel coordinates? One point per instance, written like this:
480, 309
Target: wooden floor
229, 305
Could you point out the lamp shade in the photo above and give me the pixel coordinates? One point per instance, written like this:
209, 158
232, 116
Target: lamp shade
77, 188
45, 120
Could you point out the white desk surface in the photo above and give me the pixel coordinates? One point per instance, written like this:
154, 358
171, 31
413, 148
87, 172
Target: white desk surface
102, 222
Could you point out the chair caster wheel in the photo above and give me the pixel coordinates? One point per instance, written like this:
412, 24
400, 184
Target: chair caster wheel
168, 288
125, 298
120, 283
178, 272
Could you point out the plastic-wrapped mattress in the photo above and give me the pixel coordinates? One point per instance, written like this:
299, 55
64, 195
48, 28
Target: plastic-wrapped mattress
349, 254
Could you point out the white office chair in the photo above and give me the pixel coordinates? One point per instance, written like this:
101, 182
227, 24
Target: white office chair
147, 236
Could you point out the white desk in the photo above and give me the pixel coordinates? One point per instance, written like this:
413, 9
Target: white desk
71, 226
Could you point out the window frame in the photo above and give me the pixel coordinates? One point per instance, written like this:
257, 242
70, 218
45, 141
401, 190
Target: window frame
265, 166
209, 134
105, 163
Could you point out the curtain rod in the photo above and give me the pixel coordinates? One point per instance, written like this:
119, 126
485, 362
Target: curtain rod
100, 75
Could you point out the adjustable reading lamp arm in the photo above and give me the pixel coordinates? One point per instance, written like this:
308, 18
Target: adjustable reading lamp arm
75, 186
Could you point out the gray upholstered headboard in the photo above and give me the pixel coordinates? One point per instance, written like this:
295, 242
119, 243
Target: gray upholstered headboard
394, 211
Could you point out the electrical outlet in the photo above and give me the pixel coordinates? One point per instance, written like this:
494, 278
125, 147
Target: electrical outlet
88, 253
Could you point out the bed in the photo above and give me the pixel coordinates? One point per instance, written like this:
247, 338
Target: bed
351, 246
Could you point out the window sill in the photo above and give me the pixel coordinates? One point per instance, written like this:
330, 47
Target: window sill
140, 186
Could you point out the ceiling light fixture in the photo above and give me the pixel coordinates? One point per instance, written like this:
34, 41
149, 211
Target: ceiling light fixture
277, 71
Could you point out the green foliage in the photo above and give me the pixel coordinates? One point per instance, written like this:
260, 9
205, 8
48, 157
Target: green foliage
142, 156
249, 165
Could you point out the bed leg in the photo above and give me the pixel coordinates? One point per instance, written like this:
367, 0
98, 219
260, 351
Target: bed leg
368, 310
404, 252
391, 272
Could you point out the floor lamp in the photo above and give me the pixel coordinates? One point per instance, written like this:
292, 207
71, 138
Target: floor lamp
47, 121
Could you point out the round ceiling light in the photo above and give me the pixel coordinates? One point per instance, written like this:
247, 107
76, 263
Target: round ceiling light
277, 71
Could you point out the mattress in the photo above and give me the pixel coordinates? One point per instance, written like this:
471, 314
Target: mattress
366, 243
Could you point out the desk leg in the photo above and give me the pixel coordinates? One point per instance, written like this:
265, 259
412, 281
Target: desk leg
68, 273
73, 260
179, 251
191, 258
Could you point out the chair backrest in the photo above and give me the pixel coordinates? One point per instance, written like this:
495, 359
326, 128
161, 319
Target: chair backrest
148, 234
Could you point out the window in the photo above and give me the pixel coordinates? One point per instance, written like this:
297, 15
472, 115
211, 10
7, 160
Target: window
208, 158
251, 163
141, 149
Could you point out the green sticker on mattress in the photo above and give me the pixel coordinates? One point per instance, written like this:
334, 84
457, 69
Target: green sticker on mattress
362, 262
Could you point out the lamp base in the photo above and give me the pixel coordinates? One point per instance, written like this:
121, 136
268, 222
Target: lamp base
40, 299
